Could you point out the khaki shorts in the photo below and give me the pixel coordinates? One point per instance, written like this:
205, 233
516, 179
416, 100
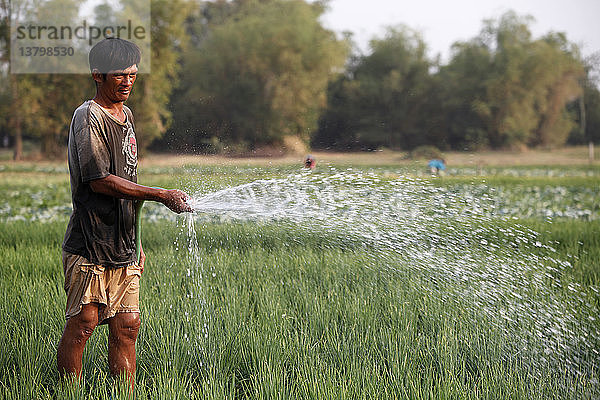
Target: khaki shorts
115, 289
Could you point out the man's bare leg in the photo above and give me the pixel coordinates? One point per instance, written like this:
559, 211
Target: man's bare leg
78, 330
122, 334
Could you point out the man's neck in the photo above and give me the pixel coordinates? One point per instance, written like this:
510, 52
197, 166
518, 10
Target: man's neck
115, 109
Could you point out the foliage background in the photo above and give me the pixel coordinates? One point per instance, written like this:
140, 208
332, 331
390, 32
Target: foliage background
237, 76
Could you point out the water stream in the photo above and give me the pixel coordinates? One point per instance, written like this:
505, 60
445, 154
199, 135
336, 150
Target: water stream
447, 245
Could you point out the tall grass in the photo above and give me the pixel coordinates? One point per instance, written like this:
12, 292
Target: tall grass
285, 319
269, 311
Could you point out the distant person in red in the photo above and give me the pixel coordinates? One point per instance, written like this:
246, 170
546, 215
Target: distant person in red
310, 162
102, 272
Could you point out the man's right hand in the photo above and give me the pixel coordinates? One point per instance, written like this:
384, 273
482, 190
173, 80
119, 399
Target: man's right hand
176, 200
116, 186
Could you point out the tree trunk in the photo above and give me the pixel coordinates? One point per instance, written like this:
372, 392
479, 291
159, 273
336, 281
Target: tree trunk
18, 150
15, 119
582, 115
51, 146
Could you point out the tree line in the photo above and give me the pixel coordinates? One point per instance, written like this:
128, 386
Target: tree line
234, 76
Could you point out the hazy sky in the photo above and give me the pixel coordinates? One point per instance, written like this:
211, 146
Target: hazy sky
442, 22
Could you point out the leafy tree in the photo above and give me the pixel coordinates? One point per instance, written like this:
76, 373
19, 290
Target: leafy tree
384, 98
587, 108
50, 101
525, 100
258, 76
40, 105
151, 94
501, 92
560, 85
9, 107
461, 85
592, 113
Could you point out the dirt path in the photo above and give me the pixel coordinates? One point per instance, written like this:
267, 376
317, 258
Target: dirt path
565, 157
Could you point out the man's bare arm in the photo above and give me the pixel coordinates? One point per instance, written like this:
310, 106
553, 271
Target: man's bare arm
115, 186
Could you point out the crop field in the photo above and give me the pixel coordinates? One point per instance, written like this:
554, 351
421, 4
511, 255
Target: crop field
346, 282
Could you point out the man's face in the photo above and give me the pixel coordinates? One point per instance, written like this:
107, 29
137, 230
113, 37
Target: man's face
118, 84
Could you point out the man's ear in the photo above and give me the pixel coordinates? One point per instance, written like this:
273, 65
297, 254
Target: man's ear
97, 76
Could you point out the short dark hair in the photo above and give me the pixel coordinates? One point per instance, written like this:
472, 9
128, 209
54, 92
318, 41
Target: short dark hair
113, 54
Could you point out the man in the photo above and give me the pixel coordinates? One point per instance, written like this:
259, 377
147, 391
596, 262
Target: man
99, 255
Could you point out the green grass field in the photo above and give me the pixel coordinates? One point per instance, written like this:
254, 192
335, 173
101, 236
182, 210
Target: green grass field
272, 310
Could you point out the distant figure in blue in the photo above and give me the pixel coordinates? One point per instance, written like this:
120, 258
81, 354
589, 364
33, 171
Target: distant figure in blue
437, 166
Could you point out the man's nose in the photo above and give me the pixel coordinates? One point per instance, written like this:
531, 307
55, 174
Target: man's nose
129, 79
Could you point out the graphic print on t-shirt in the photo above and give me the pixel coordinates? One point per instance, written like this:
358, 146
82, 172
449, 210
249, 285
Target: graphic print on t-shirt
130, 152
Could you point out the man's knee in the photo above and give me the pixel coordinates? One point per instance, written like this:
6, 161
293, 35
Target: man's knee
124, 328
82, 325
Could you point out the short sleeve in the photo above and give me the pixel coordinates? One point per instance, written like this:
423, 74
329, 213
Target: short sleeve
92, 148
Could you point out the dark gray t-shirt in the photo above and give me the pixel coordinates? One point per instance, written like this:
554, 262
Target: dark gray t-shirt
101, 228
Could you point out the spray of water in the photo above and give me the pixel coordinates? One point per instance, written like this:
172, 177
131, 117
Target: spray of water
444, 244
